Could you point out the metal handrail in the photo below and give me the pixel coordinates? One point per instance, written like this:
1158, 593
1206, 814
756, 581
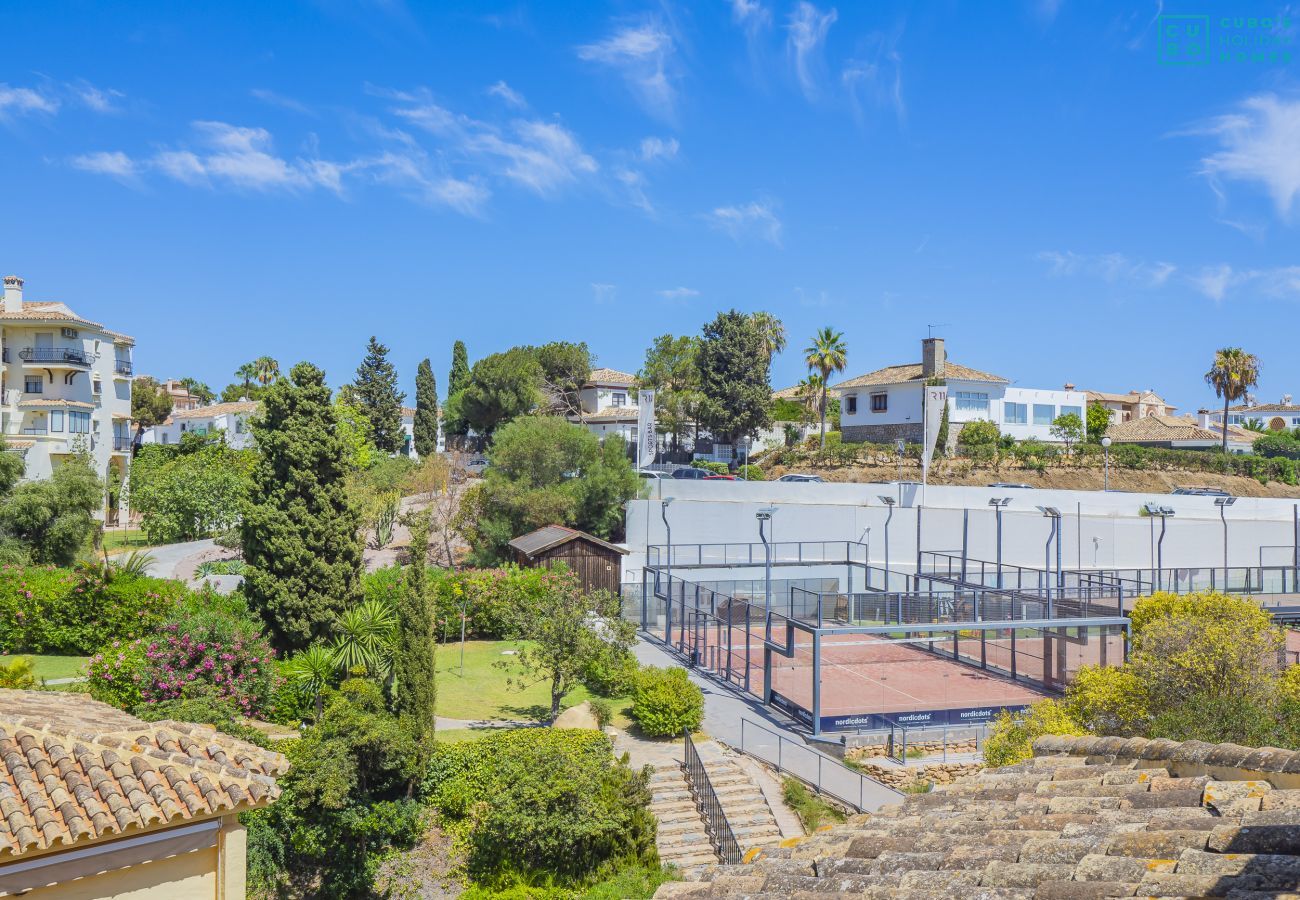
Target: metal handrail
825, 763
710, 807
122, 367
54, 354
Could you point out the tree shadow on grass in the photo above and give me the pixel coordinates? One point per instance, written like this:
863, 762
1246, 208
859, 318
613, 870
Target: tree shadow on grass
540, 712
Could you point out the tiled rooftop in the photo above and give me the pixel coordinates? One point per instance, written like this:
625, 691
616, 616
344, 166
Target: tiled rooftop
1085, 818
72, 768
914, 372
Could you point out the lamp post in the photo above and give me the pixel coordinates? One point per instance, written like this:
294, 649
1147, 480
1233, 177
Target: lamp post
668, 607
1223, 503
899, 449
1105, 447
888, 501
1051, 512
764, 516
1164, 512
998, 503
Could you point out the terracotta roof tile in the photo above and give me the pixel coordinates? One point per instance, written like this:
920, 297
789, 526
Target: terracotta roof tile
1152, 429
611, 377
912, 372
613, 414
54, 404
74, 768
217, 409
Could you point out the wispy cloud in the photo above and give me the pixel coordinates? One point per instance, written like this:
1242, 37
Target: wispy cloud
678, 293
644, 56
756, 219
655, 148
874, 78
1046, 11
116, 165
602, 292
1112, 268
21, 101
1259, 144
807, 28
508, 95
273, 98
1222, 282
101, 100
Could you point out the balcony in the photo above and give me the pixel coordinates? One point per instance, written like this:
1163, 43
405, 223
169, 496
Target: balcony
35, 429
4, 355
122, 367
56, 356
121, 443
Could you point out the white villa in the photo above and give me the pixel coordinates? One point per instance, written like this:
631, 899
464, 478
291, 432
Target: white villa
66, 386
1273, 416
230, 418
609, 404
885, 405
408, 434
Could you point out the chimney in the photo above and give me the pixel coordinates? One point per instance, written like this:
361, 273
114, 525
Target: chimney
1203, 417
1069, 386
13, 294
1286, 399
934, 359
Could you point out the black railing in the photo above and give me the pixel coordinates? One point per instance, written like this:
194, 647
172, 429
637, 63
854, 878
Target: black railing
121, 444
710, 807
122, 367
54, 354
4, 354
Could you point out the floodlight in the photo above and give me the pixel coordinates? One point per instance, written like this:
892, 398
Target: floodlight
1224, 501
765, 514
999, 502
1050, 511
1155, 509
888, 501
665, 501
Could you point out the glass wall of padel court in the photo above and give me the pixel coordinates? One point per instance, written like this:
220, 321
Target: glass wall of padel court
846, 646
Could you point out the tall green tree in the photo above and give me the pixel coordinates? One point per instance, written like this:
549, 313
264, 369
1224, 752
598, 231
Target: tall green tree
426, 410
375, 392
54, 517
267, 370
414, 644
671, 371
300, 534
458, 377
1098, 420
733, 362
1233, 374
247, 373
501, 387
772, 330
826, 355
565, 369
150, 404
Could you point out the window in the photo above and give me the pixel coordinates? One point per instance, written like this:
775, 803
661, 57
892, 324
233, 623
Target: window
33, 384
56, 420
78, 422
166, 439
99, 386
879, 402
851, 404
1077, 410
1015, 413
971, 401
239, 426
1044, 413
620, 399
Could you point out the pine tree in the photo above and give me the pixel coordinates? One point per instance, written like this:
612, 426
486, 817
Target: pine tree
413, 652
300, 533
459, 376
426, 410
376, 393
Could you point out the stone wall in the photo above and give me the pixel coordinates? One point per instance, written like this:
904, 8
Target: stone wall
878, 747
912, 432
900, 778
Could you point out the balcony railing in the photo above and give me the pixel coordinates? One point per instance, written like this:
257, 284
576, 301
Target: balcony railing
121, 443
122, 367
4, 355
36, 429
54, 355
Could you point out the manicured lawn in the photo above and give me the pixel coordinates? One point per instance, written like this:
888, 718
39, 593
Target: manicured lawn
118, 540
57, 666
483, 692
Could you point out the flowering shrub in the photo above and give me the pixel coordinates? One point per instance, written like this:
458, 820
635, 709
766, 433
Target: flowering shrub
44, 609
116, 673
490, 598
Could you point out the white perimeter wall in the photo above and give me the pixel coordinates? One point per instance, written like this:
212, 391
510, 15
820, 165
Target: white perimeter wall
1100, 529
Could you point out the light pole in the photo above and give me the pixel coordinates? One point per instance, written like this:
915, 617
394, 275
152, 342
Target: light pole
764, 516
1054, 514
900, 448
888, 501
998, 503
1164, 512
668, 580
1223, 503
1105, 447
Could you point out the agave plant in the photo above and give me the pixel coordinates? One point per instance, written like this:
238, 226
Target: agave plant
385, 518
311, 672
135, 564
364, 638
221, 567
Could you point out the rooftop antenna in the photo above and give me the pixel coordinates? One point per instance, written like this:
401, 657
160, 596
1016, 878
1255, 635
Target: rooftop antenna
931, 328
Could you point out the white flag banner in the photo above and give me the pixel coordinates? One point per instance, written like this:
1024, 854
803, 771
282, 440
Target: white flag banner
936, 400
645, 427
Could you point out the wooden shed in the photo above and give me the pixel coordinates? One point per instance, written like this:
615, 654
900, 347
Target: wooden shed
597, 563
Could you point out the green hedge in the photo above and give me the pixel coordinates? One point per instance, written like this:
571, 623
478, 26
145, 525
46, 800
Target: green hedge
44, 609
665, 702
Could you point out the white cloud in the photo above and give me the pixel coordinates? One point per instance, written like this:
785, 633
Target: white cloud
875, 77
808, 27
644, 56
634, 183
750, 15
755, 219
508, 94
20, 101
654, 148
602, 292
1222, 281
117, 165
1260, 145
98, 99
271, 98
678, 293
1046, 10
1112, 268
1213, 281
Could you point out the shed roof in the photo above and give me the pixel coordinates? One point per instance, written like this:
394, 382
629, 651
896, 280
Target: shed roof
550, 536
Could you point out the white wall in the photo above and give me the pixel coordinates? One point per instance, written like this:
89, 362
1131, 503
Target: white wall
1099, 529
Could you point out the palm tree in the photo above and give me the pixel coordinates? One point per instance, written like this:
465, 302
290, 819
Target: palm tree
810, 392
268, 370
771, 330
247, 372
365, 638
826, 355
311, 672
1233, 374
198, 390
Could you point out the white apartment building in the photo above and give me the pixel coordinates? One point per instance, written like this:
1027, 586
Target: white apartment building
1273, 416
66, 387
408, 434
232, 419
885, 405
609, 404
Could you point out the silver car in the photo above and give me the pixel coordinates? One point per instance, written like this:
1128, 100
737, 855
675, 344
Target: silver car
799, 476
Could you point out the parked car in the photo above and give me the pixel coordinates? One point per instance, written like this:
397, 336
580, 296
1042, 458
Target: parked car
721, 478
1201, 491
686, 473
652, 474
799, 476
1012, 484
476, 466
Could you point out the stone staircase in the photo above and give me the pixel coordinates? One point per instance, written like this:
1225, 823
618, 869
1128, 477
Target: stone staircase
682, 840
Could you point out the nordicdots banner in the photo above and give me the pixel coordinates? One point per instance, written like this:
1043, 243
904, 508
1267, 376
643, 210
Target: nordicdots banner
645, 427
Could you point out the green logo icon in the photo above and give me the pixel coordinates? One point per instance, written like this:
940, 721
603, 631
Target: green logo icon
1184, 40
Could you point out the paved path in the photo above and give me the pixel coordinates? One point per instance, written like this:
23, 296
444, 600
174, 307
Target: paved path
770, 737
168, 558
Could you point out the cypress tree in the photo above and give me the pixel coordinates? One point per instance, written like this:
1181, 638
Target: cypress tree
300, 533
426, 410
377, 395
459, 376
413, 652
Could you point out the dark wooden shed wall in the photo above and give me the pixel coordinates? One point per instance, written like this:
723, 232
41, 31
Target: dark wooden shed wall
595, 566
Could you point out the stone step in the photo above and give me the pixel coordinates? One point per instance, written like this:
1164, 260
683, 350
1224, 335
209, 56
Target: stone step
694, 862
671, 796
683, 839
679, 826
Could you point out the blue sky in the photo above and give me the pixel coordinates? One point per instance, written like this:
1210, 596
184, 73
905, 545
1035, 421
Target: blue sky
289, 178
